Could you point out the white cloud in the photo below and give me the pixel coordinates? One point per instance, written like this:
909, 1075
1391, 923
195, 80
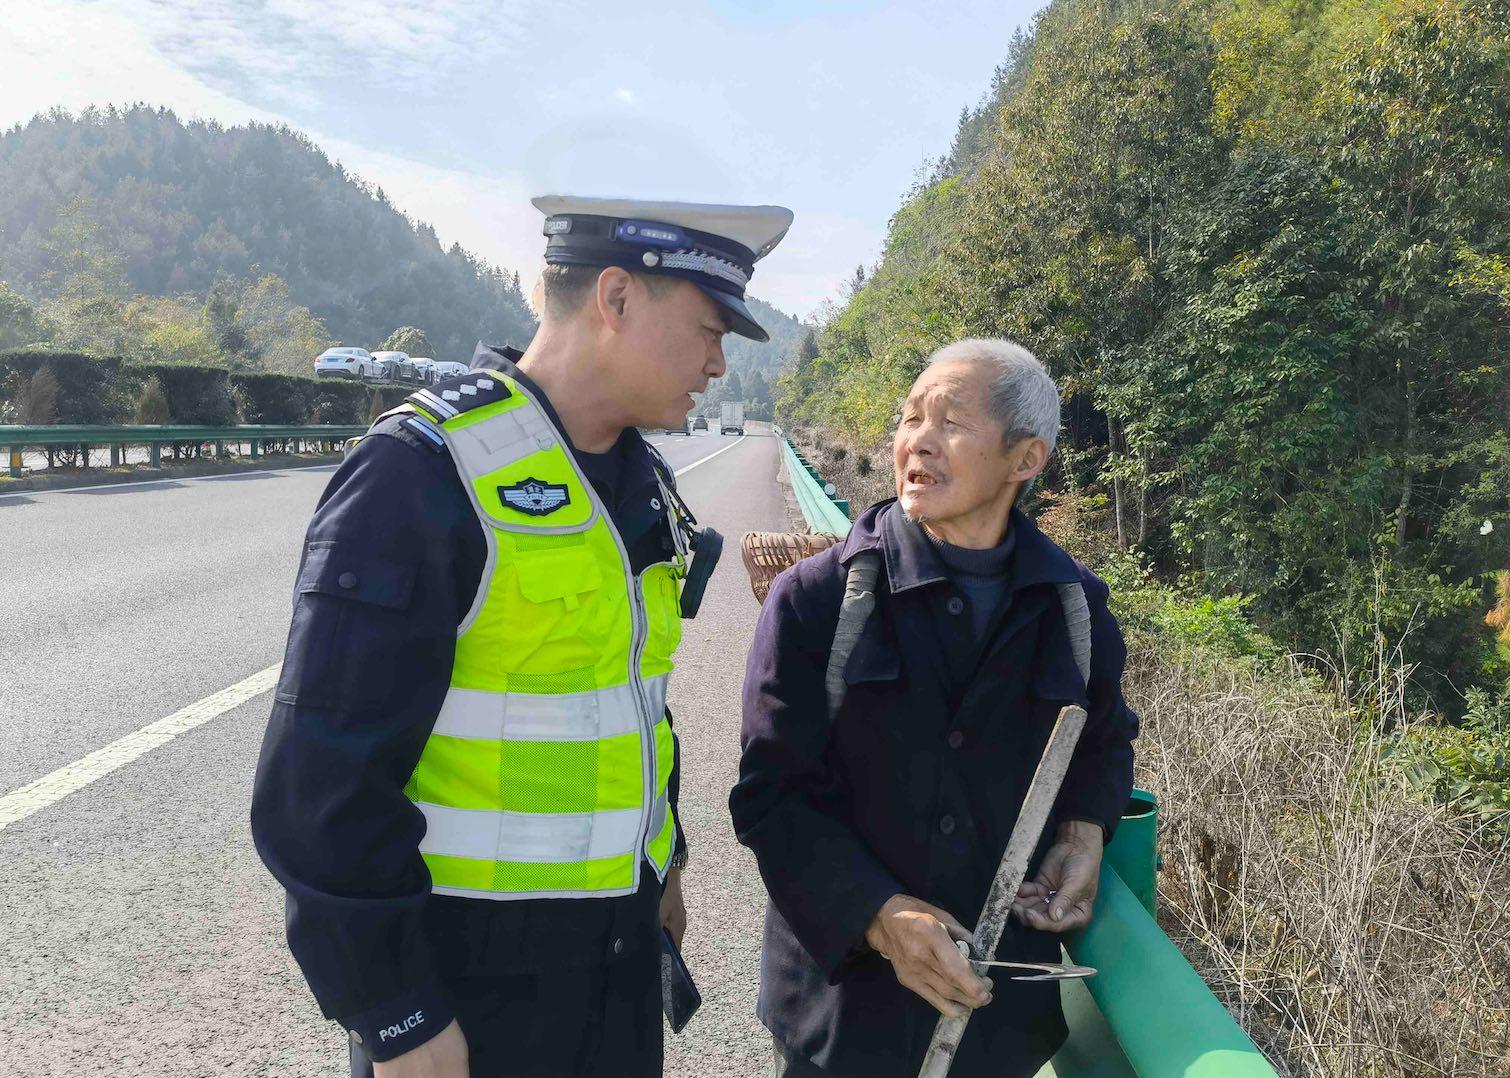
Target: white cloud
74, 56
80, 53
277, 45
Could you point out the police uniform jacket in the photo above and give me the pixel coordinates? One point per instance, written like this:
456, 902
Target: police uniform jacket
368, 663
915, 787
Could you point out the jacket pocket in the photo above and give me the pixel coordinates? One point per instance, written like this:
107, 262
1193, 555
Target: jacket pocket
347, 643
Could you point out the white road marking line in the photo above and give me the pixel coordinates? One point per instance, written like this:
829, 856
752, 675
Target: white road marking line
50, 789
710, 456
162, 479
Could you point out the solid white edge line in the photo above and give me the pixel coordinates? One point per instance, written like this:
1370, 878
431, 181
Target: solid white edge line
710, 456
165, 479
71, 778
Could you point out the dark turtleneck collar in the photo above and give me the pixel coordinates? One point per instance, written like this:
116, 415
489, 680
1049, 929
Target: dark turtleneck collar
969, 562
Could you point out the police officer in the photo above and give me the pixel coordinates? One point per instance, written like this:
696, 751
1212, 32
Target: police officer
468, 783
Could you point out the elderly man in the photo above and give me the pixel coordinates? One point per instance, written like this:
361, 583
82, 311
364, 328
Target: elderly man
878, 833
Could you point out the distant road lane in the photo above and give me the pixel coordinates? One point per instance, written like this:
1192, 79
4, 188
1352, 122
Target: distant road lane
142, 935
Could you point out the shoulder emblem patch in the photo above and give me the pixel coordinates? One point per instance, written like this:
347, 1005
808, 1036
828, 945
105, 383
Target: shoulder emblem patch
535, 497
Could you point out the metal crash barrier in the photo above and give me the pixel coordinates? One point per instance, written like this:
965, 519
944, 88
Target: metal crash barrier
1146, 1013
822, 511
83, 439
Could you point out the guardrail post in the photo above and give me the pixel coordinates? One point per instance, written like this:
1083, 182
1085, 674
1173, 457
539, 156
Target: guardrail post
15, 462
115, 456
256, 448
157, 454
219, 450
83, 457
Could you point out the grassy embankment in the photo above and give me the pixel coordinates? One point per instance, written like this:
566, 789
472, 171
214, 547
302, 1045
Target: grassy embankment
1353, 919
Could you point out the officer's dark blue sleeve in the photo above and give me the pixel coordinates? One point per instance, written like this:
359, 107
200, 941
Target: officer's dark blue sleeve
391, 558
1100, 776
821, 876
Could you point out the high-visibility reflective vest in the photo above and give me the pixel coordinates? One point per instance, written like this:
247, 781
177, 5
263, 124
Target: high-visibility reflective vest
546, 773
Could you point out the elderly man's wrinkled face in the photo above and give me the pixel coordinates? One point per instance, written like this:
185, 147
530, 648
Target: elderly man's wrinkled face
950, 455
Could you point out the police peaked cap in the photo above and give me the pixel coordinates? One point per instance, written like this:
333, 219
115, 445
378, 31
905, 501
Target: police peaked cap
714, 247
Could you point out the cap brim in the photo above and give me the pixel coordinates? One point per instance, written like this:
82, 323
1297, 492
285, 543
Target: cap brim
744, 322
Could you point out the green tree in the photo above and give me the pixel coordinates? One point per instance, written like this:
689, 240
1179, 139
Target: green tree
282, 334
151, 403
410, 341
20, 324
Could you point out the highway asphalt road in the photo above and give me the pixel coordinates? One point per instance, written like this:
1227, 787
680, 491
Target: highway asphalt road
139, 934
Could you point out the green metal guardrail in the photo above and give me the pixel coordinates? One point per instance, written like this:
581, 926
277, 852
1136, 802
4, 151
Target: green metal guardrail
255, 436
820, 509
1146, 1013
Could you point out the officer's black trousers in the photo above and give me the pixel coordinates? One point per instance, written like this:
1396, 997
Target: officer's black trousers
594, 1022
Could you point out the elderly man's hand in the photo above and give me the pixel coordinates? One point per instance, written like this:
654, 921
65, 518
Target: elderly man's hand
1063, 894
918, 939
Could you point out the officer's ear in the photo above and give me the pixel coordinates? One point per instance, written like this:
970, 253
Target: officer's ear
614, 285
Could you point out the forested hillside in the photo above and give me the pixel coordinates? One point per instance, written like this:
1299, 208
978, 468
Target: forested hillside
132, 232
1264, 246
158, 207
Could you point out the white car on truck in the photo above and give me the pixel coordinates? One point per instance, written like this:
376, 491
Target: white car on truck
344, 362
731, 418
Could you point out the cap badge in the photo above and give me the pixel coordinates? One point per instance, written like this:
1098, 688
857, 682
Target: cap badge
650, 235
535, 497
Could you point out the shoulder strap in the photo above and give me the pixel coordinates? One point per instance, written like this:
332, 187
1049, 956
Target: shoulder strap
663, 470
860, 601
415, 421
403, 409
1077, 619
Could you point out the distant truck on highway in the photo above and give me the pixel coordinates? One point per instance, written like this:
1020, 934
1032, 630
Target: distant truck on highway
731, 419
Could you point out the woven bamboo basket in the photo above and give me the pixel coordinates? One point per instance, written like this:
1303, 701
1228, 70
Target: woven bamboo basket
767, 553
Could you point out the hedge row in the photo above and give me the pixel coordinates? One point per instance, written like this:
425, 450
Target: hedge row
107, 390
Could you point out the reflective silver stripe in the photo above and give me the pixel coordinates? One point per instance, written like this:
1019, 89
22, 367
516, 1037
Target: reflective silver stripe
657, 819
655, 695
434, 403
519, 716
501, 440
539, 838
426, 428
521, 896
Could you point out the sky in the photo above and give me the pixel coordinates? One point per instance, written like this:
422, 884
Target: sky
461, 110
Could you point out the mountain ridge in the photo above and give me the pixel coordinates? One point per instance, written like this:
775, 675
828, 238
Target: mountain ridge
181, 206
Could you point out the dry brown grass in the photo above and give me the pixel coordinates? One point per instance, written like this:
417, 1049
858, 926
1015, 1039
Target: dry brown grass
1352, 929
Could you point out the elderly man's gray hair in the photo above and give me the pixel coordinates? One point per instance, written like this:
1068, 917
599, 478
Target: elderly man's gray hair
1024, 398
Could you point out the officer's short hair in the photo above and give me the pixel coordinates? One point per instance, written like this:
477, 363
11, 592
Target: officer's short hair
1024, 399
565, 288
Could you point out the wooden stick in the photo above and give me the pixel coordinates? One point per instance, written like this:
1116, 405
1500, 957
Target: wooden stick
1014, 866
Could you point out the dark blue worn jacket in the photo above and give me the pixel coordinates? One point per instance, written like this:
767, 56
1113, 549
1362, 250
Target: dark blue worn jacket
915, 788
